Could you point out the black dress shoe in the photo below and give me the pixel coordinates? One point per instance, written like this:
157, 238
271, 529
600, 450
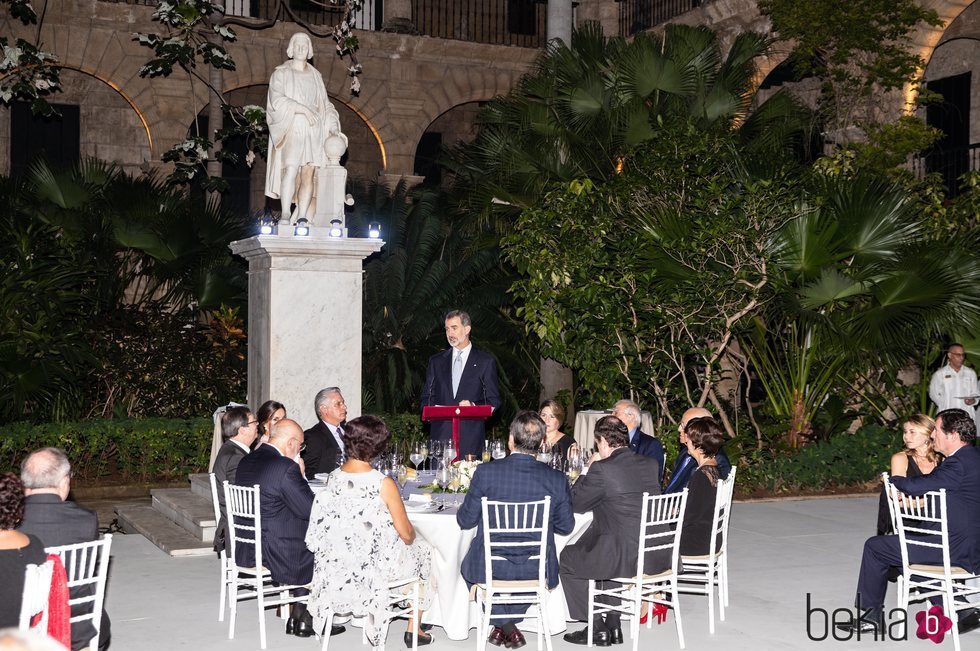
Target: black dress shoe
616, 635
601, 637
337, 629
291, 626
303, 626
497, 637
423, 639
426, 627
970, 621
862, 625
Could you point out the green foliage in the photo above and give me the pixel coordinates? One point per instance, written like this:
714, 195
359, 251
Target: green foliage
844, 460
27, 73
859, 50
154, 449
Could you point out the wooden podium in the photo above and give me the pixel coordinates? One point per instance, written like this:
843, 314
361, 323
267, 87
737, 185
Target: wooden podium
456, 413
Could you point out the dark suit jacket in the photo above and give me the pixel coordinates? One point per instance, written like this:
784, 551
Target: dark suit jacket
613, 491
286, 504
959, 474
225, 465
515, 478
322, 454
650, 446
56, 523
478, 384
684, 465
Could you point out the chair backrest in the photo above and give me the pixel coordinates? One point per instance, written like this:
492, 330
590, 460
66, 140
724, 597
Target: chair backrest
214, 498
660, 527
244, 519
515, 529
889, 487
34, 598
723, 511
921, 522
87, 564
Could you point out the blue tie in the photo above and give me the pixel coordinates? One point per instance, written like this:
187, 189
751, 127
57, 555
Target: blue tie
671, 487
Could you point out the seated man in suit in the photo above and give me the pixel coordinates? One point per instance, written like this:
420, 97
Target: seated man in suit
518, 477
684, 465
325, 441
238, 430
462, 375
612, 490
959, 474
56, 521
628, 412
286, 502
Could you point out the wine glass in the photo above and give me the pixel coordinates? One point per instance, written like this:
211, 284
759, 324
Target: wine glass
418, 455
485, 457
449, 452
444, 476
574, 465
401, 476
544, 454
435, 450
498, 451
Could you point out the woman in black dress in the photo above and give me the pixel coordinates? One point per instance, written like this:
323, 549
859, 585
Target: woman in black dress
553, 415
704, 439
918, 458
17, 550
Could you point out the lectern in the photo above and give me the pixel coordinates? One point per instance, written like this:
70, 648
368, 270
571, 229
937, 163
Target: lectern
456, 413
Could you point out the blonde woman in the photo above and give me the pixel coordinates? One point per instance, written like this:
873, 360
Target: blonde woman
918, 458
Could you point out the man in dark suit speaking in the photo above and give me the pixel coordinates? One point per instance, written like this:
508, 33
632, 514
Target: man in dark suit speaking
465, 376
959, 474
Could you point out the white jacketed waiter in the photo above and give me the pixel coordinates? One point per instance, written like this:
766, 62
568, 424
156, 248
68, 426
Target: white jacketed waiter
953, 384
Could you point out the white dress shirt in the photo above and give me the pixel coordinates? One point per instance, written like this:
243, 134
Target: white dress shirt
948, 388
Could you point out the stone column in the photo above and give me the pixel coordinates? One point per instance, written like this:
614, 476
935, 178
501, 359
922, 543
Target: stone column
304, 319
560, 20
398, 17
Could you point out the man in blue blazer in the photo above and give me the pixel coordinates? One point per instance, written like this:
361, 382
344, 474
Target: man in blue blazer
286, 502
518, 477
465, 376
684, 465
959, 474
640, 442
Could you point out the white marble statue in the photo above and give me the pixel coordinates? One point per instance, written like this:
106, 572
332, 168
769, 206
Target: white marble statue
301, 120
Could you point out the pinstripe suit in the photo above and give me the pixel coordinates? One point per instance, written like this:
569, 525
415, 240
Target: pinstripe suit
516, 478
286, 504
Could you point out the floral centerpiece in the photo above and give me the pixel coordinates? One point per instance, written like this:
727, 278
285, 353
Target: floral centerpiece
465, 469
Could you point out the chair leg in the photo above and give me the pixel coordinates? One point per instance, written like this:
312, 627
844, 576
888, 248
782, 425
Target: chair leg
676, 603
544, 621
724, 573
592, 610
711, 601
232, 607
483, 633
721, 593
326, 632
260, 596
221, 596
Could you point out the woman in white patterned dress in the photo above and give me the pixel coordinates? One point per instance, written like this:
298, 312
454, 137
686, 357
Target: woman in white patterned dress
361, 537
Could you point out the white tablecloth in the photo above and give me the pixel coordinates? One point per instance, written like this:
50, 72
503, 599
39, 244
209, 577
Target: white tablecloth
585, 425
451, 608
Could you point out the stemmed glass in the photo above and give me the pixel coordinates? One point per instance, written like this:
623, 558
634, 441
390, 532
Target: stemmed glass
444, 477
449, 452
419, 452
485, 457
574, 464
435, 451
544, 454
401, 476
498, 451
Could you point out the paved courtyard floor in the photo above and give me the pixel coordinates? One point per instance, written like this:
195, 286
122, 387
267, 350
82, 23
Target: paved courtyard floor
781, 552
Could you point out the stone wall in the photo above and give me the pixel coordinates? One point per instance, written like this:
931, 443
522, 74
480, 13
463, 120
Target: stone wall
959, 52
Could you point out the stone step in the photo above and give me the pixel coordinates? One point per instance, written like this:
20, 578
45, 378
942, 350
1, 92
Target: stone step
201, 485
160, 531
191, 512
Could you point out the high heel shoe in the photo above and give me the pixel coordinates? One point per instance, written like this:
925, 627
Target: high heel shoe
657, 610
424, 639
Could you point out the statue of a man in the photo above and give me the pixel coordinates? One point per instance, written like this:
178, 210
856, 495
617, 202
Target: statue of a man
300, 117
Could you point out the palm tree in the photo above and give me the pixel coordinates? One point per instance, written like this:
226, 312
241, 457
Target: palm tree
862, 287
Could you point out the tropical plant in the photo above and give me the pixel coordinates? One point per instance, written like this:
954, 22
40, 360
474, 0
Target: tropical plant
861, 289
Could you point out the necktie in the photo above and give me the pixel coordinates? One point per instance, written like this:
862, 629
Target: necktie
675, 479
457, 370
340, 438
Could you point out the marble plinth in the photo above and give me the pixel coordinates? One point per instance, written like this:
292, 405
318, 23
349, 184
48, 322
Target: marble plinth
304, 319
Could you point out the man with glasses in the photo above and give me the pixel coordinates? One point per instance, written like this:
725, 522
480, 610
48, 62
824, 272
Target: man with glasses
685, 464
954, 386
325, 440
238, 430
286, 502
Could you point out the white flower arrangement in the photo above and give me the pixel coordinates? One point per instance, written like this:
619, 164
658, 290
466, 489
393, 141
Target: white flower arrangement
466, 470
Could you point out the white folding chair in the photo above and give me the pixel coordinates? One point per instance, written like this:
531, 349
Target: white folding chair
889, 488
222, 556
699, 574
922, 523
87, 566
395, 597
510, 527
660, 529
34, 598
245, 528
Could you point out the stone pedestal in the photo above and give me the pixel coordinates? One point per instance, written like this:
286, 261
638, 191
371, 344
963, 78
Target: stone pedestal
304, 319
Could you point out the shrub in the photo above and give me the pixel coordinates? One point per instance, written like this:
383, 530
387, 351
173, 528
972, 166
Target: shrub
154, 449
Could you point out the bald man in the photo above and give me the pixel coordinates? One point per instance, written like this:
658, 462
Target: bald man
685, 464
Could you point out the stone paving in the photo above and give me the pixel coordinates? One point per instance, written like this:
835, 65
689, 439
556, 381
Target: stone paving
781, 552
